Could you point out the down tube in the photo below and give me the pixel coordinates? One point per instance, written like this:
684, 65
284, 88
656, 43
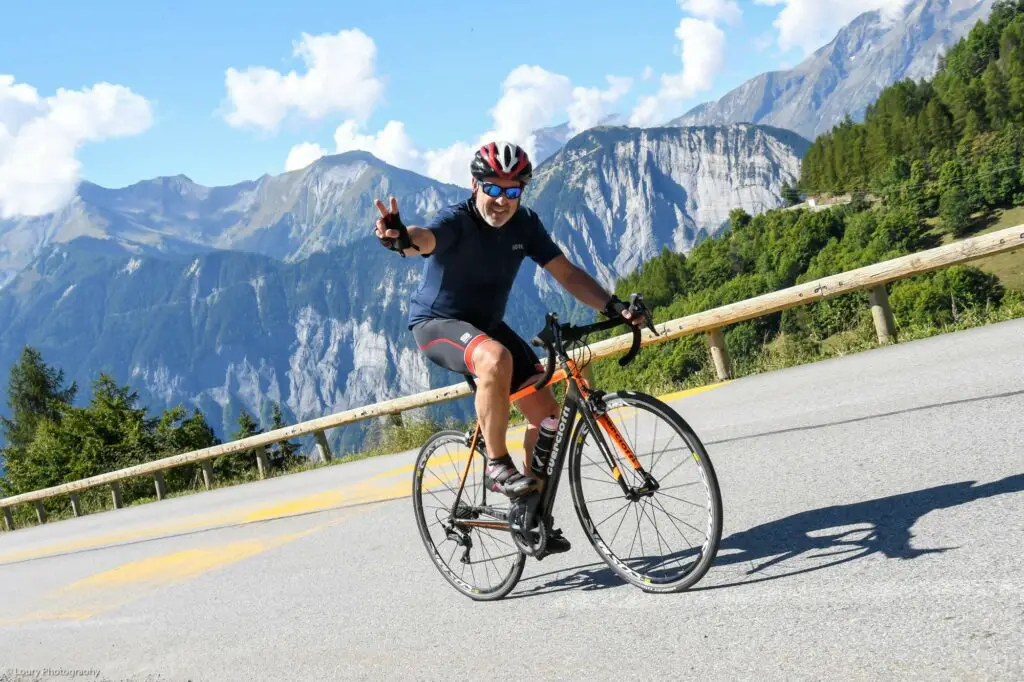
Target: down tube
559, 451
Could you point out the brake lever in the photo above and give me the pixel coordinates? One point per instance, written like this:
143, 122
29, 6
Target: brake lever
637, 305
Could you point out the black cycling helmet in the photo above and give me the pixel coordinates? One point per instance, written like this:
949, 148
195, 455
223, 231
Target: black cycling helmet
502, 160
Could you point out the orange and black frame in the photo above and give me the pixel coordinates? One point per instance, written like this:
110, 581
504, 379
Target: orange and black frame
581, 398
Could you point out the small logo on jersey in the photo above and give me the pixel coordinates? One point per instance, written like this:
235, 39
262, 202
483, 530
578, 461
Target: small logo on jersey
517, 247
465, 337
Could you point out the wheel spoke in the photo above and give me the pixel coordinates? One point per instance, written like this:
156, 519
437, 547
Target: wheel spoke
659, 563
493, 566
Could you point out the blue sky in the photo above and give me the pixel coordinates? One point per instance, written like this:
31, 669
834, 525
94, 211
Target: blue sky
439, 66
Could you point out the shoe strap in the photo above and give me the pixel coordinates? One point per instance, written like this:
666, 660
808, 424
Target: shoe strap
503, 470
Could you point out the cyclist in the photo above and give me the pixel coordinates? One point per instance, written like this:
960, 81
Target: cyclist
473, 251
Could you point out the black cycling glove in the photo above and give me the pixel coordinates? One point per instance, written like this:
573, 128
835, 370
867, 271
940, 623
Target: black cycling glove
615, 307
402, 242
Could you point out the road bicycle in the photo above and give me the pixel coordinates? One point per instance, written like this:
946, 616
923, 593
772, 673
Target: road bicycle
480, 540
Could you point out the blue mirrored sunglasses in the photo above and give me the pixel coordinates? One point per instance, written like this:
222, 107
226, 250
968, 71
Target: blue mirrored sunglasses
492, 190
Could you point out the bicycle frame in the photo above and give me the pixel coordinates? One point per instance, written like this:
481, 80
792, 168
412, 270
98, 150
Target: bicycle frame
580, 398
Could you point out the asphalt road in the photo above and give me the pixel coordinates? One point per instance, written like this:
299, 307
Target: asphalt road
874, 529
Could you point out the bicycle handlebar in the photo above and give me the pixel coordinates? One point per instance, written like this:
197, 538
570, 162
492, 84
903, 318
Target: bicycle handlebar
553, 336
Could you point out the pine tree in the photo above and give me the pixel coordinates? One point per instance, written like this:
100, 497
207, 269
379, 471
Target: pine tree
283, 454
35, 391
955, 211
997, 95
176, 433
238, 464
36, 396
790, 194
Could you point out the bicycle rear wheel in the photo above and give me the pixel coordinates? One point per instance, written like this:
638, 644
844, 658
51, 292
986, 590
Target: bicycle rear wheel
682, 517
481, 563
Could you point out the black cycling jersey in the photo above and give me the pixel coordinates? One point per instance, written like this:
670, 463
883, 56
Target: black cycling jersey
471, 271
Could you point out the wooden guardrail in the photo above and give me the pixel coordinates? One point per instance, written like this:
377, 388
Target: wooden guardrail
871, 277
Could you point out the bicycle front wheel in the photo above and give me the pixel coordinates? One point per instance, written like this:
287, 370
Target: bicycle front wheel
662, 539
481, 562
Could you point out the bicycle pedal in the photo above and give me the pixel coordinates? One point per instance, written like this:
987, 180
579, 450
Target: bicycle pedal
557, 544
522, 512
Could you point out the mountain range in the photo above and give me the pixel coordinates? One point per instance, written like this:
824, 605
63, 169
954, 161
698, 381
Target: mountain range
275, 290
287, 216
845, 76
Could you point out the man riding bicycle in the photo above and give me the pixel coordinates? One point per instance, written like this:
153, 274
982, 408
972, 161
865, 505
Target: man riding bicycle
473, 252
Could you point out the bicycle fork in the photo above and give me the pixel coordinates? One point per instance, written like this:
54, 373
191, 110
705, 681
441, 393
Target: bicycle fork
599, 421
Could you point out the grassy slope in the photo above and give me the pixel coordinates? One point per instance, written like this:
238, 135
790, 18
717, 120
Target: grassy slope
1008, 267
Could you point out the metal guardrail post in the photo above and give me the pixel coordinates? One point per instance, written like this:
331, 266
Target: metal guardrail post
76, 505
720, 354
115, 493
8, 519
885, 323
208, 473
40, 513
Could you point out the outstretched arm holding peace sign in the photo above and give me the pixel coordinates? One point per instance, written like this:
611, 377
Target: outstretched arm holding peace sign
396, 236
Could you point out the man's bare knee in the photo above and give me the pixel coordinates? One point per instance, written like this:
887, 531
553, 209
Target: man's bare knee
492, 362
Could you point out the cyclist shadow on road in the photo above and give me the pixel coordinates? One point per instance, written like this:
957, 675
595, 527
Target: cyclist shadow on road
812, 540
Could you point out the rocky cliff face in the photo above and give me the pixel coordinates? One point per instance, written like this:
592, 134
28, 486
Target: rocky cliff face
845, 76
614, 197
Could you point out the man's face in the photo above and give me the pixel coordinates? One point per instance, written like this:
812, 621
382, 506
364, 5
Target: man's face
496, 210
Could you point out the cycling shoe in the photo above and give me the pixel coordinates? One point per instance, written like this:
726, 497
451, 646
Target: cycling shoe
501, 476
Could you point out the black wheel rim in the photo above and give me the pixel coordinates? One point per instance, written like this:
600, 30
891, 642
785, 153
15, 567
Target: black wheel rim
663, 537
493, 560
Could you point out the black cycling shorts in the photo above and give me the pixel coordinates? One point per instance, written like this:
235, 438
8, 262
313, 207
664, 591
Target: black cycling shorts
450, 344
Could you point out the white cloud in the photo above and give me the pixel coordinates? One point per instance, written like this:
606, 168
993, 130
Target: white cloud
450, 164
703, 51
339, 78
39, 138
726, 10
648, 73
531, 98
391, 145
303, 154
590, 105
809, 24
763, 41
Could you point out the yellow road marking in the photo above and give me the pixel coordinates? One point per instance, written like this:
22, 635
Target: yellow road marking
691, 391
178, 566
302, 505
369, 490
318, 502
129, 582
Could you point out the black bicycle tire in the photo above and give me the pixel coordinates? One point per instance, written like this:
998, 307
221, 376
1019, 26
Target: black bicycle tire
417, 499
710, 550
